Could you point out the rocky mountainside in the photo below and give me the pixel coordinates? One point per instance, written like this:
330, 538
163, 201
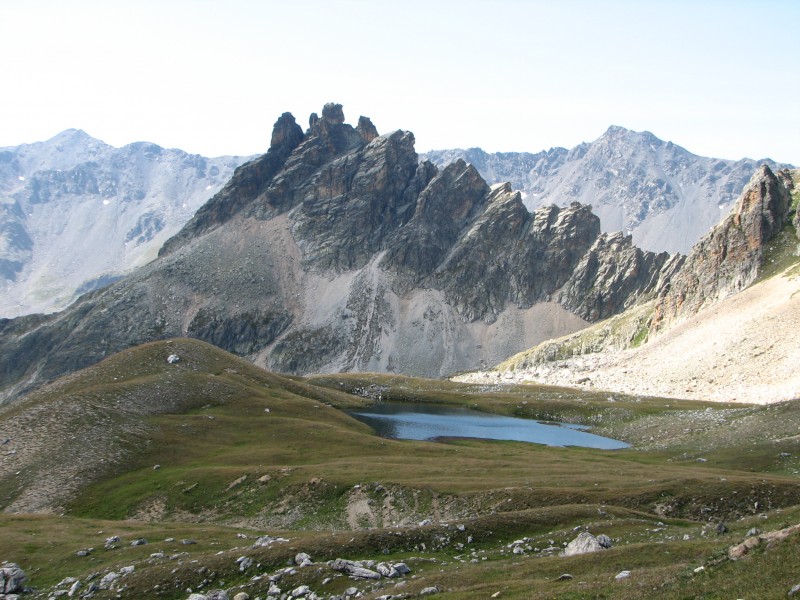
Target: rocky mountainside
76, 214
339, 251
664, 196
718, 329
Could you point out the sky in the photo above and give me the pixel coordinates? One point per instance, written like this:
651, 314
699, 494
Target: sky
720, 78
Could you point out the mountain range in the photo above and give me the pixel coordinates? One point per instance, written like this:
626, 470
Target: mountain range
77, 214
136, 462
339, 251
663, 195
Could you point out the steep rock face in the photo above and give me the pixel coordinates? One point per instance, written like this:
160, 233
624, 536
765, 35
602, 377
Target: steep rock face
727, 259
443, 208
77, 214
664, 196
247, 182
350, 256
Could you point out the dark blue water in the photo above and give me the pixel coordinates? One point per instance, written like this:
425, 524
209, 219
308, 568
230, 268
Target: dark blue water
403, 421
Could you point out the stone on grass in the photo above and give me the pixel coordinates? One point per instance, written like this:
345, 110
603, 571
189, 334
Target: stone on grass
583, 544
108, 579
302, 560
622, 575
244, 563
564, 577
12, 578
173, 358
300, 591
402, 568
604, 540
795, 589
242, 596
429, 591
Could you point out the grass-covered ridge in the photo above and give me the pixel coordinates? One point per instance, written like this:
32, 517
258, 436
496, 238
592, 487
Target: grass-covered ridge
241, 453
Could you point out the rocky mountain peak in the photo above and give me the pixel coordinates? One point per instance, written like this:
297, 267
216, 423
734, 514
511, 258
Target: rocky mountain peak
333, 114
729, 257
286, 132
366, 129
662, 194
339, 250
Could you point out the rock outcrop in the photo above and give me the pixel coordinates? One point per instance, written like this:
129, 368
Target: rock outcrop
339, 251
664, 196
729, 257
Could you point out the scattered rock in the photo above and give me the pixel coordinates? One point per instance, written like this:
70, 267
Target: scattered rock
110, 541
564, 577
753, 531
721, 529
108, 579
402, 568
139, 542
302, 560
622, 575
351, 591
604, 541
267, 540
12, 579
236, 482
84, 552
244, 563
188, 542
173, 358
300, 591
353, 568
242, 596
583, 544
795, 589
432, 590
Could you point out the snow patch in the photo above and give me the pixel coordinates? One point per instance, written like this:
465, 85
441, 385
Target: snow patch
106, 202
21, 178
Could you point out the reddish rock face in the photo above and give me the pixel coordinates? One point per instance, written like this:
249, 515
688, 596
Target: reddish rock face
728, 259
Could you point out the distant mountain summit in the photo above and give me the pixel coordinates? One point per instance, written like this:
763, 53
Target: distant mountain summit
338, 250
664, 196
77, 214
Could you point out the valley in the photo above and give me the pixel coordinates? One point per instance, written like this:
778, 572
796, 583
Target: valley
186, 432
204, 456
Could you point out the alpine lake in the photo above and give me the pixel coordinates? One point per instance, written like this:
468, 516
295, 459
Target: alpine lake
419, 421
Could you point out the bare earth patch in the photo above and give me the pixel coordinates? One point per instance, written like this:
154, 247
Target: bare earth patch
743, 349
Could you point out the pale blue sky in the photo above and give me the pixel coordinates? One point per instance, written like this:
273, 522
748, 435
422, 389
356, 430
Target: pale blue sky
721, 78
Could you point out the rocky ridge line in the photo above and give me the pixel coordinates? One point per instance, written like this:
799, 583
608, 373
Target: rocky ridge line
339, 251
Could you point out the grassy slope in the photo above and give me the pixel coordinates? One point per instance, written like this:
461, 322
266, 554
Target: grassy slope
204, 422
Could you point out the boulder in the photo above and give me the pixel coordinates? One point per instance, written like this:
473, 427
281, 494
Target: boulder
302, 559
12, 578
353, 568
604, 540
583, 544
